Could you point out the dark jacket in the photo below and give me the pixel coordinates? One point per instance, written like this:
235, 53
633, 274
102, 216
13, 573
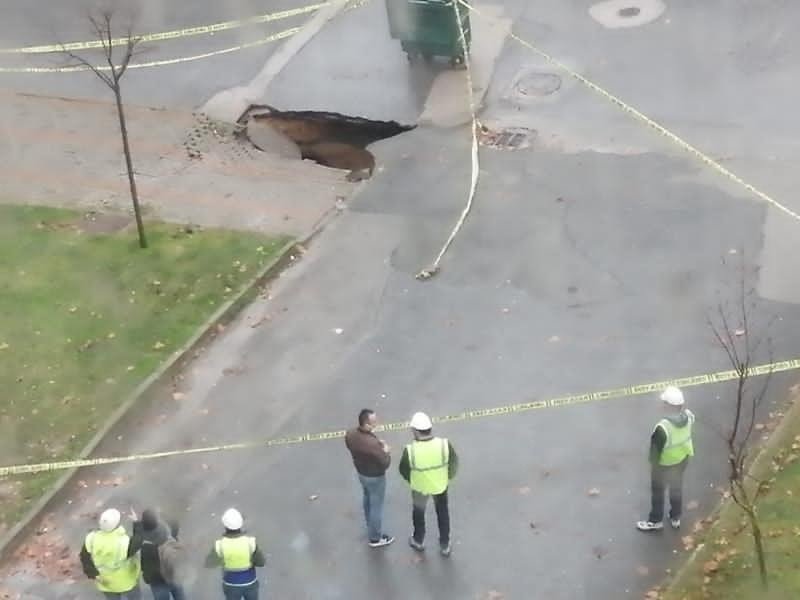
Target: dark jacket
452, 464
367, 451
659, 437
151, 540
134, 545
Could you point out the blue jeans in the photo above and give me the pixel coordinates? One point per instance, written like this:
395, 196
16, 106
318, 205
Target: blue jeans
241, 592
167, 591
374, 489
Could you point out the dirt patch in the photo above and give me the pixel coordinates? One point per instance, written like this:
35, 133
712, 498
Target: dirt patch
94, 222
330, 139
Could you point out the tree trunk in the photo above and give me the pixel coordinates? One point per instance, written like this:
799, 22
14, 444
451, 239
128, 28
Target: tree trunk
123, 129
758, 540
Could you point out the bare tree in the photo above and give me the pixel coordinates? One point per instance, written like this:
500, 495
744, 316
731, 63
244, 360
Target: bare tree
111, 75
731, 329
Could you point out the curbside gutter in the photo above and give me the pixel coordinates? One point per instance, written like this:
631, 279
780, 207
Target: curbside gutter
761, 463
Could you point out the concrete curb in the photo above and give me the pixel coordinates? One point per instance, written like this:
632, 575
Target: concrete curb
761, 462
225, 314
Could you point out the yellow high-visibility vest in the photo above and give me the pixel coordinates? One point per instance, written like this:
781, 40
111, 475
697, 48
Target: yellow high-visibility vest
109, 552
429, 460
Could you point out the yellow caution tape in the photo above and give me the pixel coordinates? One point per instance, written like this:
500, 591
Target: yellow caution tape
648, 121
430, 271
469, 415
169, 35
157, 63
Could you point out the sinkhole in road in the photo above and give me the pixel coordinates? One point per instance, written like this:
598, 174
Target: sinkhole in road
330, 139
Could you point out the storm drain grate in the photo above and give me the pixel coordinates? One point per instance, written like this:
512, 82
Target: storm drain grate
511, 138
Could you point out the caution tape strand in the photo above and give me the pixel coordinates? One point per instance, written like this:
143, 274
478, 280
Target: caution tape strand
474, 156
469, 415
169, 35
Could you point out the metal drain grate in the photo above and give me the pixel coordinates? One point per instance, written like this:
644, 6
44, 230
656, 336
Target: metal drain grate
511, 138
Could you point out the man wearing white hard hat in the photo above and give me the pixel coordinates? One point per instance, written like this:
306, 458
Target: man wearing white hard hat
109, 557
238, 555
428, 464
670, 450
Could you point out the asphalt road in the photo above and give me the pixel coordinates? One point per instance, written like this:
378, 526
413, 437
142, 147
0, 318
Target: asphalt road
590, 262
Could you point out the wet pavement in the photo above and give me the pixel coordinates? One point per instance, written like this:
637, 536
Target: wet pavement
589, 263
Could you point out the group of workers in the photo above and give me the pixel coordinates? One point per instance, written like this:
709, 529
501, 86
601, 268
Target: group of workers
116, 560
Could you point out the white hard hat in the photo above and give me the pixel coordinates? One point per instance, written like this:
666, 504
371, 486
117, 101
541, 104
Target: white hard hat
110, 519
672, 396
421, 422
232, 519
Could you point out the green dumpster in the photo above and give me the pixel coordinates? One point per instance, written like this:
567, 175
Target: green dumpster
429, 28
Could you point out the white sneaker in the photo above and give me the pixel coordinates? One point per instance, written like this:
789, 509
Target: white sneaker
384, 541
676, 523
649, 526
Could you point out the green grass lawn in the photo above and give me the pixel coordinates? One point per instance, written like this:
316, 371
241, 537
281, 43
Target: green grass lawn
726, 566
85, 317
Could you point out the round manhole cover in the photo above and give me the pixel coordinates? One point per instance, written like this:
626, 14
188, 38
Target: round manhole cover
535, 84
628, 12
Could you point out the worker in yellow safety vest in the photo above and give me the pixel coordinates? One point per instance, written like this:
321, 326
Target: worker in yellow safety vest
239, 555
670, 450
109, 556
428, 464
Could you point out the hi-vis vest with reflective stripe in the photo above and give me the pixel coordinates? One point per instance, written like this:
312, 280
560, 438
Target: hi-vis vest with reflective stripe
429, 460
109, 551
236, 554
678, 446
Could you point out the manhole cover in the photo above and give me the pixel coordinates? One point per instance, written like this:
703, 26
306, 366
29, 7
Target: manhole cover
536, 84
512, 138
628, 12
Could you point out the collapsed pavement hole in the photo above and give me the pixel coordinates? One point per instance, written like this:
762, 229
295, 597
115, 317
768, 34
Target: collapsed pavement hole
329, 139
628, 12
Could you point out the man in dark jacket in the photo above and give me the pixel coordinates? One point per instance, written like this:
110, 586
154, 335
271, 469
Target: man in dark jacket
156, 571
371, 459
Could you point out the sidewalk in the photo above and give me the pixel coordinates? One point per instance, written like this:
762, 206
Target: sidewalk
64, 152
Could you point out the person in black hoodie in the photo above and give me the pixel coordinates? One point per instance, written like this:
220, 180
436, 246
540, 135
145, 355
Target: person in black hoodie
155, 533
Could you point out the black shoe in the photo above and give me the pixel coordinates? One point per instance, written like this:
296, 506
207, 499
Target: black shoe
384, 541
418, 546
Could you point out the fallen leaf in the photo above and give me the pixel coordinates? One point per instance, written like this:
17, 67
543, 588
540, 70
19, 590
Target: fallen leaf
4, 346
759, 426
594, 492
313, 497
158, 345
711, 566
525, 490
178, 396
338, 331
739, 332
643, 571
688, 542
692, 505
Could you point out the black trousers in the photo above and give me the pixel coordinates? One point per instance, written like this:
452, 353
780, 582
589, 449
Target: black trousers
419, 503
666, 479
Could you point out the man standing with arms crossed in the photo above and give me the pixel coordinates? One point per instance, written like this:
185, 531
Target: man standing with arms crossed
428, 465
371, 459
